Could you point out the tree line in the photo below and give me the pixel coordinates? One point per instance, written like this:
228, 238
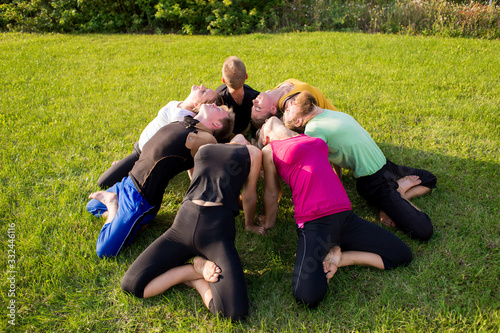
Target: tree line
457, 18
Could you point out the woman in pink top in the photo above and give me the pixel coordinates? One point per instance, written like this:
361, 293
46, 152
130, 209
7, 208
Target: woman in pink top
330, 234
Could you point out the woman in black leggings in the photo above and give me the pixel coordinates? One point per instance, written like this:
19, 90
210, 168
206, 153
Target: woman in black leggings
329, 234
204, 228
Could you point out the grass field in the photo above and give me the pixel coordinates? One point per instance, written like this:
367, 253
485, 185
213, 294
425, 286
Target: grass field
70, 105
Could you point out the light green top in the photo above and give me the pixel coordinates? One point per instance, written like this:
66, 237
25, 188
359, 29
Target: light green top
350, 146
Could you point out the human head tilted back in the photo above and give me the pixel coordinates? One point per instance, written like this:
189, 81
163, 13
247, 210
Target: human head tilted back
272, 129
234, 72
202, 95
225, 131
263, 109
304, 104
219, 119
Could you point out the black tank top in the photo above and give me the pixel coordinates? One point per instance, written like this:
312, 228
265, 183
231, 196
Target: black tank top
220, 170
163, 156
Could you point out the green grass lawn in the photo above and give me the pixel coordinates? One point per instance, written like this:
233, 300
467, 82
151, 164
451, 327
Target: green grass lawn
70, 105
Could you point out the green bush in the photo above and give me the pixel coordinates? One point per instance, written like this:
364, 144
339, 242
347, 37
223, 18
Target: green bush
228, 17
217, 17
77, 15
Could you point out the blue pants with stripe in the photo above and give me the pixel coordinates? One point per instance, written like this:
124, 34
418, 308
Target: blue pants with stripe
134, 212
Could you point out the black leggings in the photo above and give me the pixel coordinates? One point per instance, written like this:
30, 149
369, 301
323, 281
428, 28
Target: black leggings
208, 232
351, 233
119, 170
381, 190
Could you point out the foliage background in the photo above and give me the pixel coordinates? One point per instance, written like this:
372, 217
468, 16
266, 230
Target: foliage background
71, 104
434, 17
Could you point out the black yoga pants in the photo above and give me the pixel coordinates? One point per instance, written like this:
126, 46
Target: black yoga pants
351, 233
380, 190
119, 170
208, 232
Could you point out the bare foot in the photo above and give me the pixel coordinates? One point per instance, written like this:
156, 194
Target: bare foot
386, 220
256, 229
408, 182
111, 202
331, 262
107, 198
208, 269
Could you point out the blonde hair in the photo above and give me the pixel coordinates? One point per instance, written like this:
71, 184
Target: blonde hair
234, 72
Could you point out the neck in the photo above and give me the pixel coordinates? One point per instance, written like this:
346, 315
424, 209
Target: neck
275, 96
232, 90
317, 110
186, 105
282, 134
237, 94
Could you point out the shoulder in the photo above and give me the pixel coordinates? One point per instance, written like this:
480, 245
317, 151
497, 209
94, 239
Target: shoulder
254, 151
250, 90
196, 140
221, 89
168, 108
172, 105
267, 150
206, 137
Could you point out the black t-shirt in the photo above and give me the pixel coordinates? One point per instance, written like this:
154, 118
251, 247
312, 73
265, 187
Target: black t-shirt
165, 155
243, 112
220, 170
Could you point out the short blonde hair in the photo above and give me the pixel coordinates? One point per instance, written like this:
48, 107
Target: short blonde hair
234, 72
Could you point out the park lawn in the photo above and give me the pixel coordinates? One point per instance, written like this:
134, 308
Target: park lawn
71, 104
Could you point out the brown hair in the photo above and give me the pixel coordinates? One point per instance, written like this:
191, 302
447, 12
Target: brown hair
258, 122
306, 103
259, 144
234, 72
227, 125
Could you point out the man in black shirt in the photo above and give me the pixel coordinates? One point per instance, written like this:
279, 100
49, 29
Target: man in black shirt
132, 203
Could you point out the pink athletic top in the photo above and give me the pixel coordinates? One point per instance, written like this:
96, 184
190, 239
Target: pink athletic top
302, 161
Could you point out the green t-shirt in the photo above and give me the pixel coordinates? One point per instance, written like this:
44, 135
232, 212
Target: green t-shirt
350, 146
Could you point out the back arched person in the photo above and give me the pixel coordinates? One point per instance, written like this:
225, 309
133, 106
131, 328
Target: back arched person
384, 184
131, 204
275, 102
173, 111
330, 235
204, 228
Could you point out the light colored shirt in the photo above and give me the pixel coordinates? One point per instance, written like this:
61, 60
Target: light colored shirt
350, 146
167, 114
